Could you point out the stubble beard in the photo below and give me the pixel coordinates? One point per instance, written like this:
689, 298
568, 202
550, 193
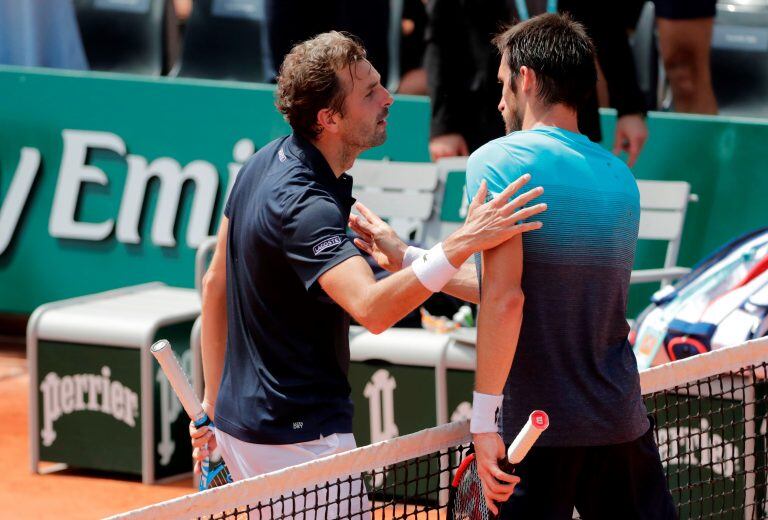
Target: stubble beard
513, 122
368, 138
362, 141
379, 136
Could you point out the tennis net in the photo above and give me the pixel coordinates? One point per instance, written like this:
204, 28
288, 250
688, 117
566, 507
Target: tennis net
710, 424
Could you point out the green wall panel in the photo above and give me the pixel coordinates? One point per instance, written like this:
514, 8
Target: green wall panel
188, 121
179, 119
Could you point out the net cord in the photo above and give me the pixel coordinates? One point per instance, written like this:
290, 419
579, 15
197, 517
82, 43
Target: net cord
701, 366
283, 482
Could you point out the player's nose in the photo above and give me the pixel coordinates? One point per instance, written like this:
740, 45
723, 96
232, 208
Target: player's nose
388, 98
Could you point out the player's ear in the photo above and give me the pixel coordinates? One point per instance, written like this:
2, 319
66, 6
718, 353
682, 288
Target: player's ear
328, 120
527, 78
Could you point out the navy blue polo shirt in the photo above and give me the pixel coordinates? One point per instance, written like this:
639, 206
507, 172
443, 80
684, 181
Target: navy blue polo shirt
285, 374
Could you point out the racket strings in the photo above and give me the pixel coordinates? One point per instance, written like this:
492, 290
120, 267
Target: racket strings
468, 499
218, 475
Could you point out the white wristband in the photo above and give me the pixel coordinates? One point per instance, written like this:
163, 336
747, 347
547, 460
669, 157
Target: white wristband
433, 269
486, 409
411, 254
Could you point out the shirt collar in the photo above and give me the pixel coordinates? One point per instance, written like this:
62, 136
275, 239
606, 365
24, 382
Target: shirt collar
313, 158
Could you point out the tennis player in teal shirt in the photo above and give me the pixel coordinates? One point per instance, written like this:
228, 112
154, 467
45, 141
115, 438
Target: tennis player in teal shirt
568, 353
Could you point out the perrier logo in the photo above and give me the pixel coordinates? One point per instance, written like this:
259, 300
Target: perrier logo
80, 392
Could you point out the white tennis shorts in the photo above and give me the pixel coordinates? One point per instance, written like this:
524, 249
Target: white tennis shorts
344, 500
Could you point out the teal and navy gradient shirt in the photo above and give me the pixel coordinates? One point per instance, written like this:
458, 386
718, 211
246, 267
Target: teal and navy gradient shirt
573, 359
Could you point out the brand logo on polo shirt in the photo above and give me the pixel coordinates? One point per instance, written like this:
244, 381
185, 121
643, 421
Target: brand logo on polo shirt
281, 155
325, 244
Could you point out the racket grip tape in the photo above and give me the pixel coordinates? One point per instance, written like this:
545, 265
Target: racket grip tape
537, 422
163, 352
506, 467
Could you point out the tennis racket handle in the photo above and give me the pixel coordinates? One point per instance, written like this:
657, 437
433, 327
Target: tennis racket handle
215, 455
164, 354
538, 421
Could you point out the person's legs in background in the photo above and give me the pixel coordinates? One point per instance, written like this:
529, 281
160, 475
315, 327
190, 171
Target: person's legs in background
685, 39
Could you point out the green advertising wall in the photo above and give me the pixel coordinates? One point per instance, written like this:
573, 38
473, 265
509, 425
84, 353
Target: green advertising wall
193, 128
185, 121
724, 161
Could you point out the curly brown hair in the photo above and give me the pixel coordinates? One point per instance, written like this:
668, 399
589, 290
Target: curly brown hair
308, 81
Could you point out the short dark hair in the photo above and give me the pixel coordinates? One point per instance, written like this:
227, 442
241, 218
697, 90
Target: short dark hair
308, 81
558, 50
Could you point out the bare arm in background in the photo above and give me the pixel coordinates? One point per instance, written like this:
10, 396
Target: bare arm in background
617, 63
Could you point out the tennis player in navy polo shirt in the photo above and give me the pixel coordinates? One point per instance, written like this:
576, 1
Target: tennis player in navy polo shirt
285, 278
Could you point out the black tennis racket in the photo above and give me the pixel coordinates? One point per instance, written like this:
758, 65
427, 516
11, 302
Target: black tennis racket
214, 472
466, 500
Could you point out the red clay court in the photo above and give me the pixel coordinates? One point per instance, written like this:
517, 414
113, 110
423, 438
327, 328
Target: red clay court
66, 494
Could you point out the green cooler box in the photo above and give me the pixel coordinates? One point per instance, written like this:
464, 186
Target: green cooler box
98, 400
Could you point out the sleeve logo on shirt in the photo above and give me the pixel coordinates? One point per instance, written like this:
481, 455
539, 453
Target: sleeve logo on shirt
325, 244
